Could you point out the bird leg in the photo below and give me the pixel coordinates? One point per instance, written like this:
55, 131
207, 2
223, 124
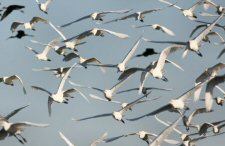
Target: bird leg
18, 139
23, 138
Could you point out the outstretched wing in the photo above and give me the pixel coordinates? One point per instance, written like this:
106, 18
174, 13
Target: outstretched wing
14, 112
120, 35
42, 89
15, 25
37, 19
68, 142
82, 18
16, 77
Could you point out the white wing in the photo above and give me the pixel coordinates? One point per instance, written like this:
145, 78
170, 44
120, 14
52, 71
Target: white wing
66, 139
120, 35
102, 99
57, 30
61, 85
166, 30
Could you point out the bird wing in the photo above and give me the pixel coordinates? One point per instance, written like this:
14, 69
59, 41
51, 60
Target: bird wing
195, 5
31, 49
50, 101
197, 111
70, 56
196, 28
10, 9
23, 125
131, 52
209, 90
165, 53
221, 53
102, 99
99, 140
167, 31
159, 110
214, 33
127, 90
57, 30
15, 25
149, 11
190, 92
7, 117
113, 138
207, 30
144, 75
95, 60
116, 86
46, 50
165, 133
85, 97
47, 3
120, 35
68, 142
61, 85
82, 18
174, 64
96, 116
37, 19
16, 77
117, 11
42, 89
166, 42
168, 3
80, 36
129, 72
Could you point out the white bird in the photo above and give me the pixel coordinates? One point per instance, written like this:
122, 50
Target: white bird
165, 133
193, 44
58, 72
15, 129
96, 16
158, 27
117, 115
143, 135
186, 12
83, 61
97, 32
187, 120
122, 65
9, 80
174, 105
137, 16
68, 44
219, 9
44, 6
209, 90
68, 142
122, 104
27, 25
108, 93
43, 56
207, 75
156, 68
61, 96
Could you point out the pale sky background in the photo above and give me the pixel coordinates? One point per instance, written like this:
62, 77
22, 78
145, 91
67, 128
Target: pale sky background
16, 59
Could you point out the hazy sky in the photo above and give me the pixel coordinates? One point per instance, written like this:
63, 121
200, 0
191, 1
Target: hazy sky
16, 59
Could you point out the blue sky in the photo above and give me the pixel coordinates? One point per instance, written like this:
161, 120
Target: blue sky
16, 59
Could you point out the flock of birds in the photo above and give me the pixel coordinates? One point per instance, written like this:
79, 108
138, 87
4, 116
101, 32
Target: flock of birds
68, 48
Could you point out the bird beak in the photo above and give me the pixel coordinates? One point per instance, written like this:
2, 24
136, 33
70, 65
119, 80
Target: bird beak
164, 79
122, 121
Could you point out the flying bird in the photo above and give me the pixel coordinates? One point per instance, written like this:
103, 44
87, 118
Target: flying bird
10, 9
122, 66
43, 56
193, 44
137, 16
96, 16
27, 25
97, 32
108, 93
117, 115
44, 6
186, 12
158, 27
219, 9
61, 96
174, 105
20, 34
209, 90
9, 80
147, 52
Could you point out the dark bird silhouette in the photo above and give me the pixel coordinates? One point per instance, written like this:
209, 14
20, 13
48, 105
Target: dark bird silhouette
20, 34
147, 52
11, 8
